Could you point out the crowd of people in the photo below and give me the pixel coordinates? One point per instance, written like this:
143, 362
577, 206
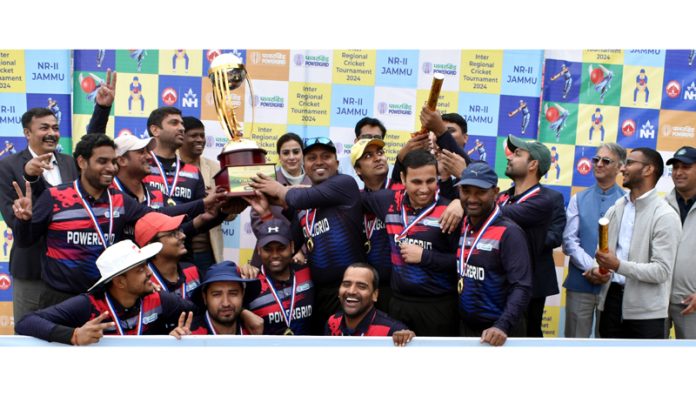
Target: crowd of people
124, 238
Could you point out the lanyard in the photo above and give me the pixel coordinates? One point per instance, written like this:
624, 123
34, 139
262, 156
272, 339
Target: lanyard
163, 284
110, 214
463, 263
524, 197
169, 189
112, 312
309, 227
286, 317
119, 187
404, 217
209, 323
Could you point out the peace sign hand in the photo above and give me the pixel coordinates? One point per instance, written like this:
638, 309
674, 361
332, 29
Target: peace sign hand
184, 327
22, 206
92, 331
107, 91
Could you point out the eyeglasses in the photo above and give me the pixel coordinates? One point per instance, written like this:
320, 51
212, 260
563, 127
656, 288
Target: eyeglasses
318, 140
370, 137
630, 162
172, 233
606, 161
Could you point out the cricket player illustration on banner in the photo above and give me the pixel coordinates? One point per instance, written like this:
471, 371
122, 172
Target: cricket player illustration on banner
100, 57
480, 149
136, 94
597, 124
555, 164
9, 148
601, 77
567, 79
55, 109
641, 86
138, 55
525, 115
90, 84
557, 116
177, 57
692, 55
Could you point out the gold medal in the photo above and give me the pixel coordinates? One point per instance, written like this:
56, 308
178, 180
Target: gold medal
170, 202
288, 332
460, 285
368, 247
310, 244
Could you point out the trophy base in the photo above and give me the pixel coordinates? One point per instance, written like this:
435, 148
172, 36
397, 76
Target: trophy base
240, 160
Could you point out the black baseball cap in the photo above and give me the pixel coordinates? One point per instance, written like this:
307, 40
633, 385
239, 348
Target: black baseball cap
686, 154
274, 230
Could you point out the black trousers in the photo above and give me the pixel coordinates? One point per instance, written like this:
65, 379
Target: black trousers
612, 324
325, 304
535, 314
427, 316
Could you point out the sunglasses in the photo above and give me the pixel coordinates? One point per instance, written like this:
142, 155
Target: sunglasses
606, 161
318, 140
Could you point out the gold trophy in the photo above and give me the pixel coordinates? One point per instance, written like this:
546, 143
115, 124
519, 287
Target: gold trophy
240, 158
435, 88
603, 238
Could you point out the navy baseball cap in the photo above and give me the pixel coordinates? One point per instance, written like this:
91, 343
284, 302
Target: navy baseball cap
274, 230
310, 143
478, 174
686, 154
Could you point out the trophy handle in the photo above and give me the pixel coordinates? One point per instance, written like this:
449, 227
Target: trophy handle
221, 93
435, 88
251, 95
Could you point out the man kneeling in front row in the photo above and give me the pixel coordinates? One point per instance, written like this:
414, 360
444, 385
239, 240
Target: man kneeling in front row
358, 294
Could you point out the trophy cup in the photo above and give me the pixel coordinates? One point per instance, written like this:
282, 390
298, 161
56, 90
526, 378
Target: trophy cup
433, 96
240, 158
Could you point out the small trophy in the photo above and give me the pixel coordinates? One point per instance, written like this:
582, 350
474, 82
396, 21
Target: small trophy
240, 158
435, 88
603, 239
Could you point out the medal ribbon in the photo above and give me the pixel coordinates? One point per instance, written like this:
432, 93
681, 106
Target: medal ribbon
530, 193
310, 227
93, 218
112, 312
119, 187
209, 323
169, 190
286, 317
162, 283
404, 217
491, 218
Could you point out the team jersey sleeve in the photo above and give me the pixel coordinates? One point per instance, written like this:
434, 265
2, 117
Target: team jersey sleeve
337, 190
377, 202
28, 232
99, 119
56, 323
516, 262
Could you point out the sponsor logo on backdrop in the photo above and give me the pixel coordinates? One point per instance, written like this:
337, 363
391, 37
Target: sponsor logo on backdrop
690, 91
298, 59
394, 108
628, 127
268, 101
5, 281
190, 99
680, 131
673, 89
427, 67
584, 166
647, 131
169, 96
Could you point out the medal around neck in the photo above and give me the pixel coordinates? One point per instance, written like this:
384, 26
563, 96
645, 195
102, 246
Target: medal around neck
240, 158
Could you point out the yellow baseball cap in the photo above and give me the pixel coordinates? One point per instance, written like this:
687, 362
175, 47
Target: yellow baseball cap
356, 152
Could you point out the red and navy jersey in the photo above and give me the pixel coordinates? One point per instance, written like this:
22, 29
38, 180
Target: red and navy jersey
375, 324
200, 326
379, 255
497, 280
73, 244
266, 306
56, 323
337, 232
436, 274
187, 282
154, 197
189, 186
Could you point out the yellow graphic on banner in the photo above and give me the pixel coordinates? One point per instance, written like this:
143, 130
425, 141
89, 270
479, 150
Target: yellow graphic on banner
641, 87
181, 62
393, 142
614, 57
137, 94
245, 256
354, 67
677, 129
561, 171
266, 136
268, 64
596, 125
309, 104
80, 122
447, 102
6, 318
481, 71
550, 321
12, 71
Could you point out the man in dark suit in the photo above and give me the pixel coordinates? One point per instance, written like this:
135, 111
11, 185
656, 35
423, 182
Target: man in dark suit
41, 166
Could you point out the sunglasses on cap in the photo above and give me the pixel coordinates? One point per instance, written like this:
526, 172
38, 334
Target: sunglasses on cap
317, 140
606, 161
